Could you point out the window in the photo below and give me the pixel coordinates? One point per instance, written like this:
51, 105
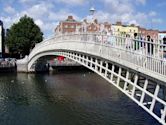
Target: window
72, 26
66, 26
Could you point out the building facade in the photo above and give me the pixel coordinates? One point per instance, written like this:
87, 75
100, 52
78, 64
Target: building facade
148, 33
87, 25
119, 29
162, 35
68, 26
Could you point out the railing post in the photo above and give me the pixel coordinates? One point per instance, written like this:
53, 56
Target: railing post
101, 65
87, 58
96, 63
163, 115
113, 68
127, 76
134, 85
106, 68
154, 98
143, 92
91, 62
119, 74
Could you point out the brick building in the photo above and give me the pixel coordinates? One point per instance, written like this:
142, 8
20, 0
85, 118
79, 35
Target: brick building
144, 33
67, 26
71, 25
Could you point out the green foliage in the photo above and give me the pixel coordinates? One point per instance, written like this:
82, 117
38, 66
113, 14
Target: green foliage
23, 36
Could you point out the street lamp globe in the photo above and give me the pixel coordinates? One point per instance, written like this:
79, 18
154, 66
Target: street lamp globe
92, 10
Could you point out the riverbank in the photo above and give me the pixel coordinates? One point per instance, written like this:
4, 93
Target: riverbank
8, 69
8, 65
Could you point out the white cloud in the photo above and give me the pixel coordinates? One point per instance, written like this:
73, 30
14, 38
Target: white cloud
157, 20
161, 4
119, 6
61, 15
27, 1
46, 26
127, 12
39, 22
43, 14
143, 2
47, 14
72, 2
103, 16
152, 13
38, 10
9, 10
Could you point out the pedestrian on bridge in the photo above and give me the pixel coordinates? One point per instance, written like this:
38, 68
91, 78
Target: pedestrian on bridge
128, 42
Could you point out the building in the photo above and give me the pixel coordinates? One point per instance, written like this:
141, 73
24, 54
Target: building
68, 26
148, 33
120, 29
162, 35
2, 38
89, 24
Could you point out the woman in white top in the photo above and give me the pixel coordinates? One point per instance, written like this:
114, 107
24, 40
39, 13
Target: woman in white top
128, 42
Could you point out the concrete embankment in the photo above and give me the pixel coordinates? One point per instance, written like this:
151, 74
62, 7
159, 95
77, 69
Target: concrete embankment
8, 66
8, 69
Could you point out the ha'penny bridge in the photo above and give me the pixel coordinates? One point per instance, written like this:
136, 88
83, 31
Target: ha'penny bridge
136, 67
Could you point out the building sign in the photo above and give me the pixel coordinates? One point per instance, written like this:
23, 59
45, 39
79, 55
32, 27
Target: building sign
1, 38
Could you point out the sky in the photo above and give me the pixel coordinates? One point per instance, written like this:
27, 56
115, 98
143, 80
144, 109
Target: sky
47, 13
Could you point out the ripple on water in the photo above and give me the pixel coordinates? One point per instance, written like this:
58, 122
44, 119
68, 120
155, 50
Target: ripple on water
66, 99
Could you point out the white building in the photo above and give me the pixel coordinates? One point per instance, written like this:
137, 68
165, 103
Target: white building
162, 35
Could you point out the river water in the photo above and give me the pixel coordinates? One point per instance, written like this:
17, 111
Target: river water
66, 99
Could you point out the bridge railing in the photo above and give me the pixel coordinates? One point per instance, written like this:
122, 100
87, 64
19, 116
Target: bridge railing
147, 54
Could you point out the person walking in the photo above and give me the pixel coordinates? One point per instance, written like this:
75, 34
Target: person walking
128, 42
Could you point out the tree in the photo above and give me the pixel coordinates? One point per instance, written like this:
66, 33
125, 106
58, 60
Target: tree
23, 36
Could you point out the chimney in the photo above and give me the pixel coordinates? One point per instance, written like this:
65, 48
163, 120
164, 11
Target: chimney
70, 18
119, 23
96, 21
133, 25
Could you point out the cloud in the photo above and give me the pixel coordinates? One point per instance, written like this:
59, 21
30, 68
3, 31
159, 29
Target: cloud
28, 1
127, 12
102, 16
47, 13
157, 20
38, 10
43, 13
72, 2
152, 13
46, 26
61, 15
39, 22
9, 10
143, 2
119, 6
161, 4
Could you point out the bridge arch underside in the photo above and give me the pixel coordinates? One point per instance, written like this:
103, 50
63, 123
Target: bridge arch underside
147, 92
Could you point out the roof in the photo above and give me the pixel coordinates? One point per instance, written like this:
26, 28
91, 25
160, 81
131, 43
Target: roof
162, 31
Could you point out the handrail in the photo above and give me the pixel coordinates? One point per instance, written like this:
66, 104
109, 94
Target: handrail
150, 53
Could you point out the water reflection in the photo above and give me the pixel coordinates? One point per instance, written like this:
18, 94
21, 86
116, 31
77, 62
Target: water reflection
65, 99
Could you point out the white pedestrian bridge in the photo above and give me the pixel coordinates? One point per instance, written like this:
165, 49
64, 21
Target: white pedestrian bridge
136, 67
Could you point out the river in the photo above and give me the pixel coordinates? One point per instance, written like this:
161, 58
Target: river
66, 98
